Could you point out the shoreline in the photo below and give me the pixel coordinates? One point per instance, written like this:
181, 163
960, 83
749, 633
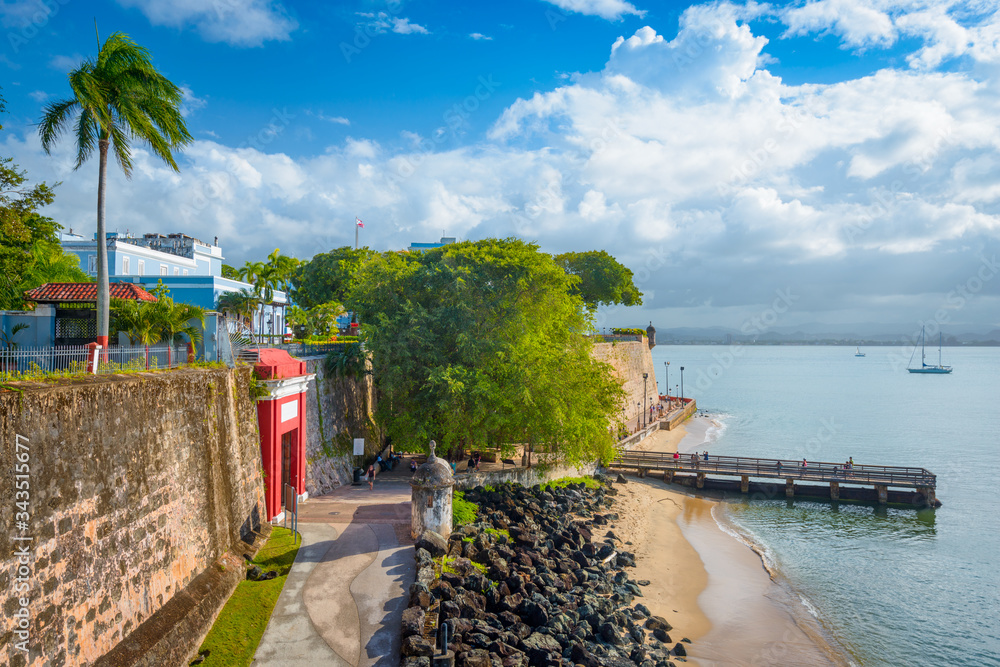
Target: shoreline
712, 586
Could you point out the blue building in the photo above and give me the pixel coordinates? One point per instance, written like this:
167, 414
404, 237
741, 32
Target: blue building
191, 269
445, 240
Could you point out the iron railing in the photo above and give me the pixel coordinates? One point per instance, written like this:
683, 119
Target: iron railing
27, 363
780, 469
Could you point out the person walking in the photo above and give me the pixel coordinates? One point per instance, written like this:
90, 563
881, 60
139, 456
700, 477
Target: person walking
371, 477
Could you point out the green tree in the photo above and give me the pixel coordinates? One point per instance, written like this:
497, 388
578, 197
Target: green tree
603, 280
241, 304
478, 344
230, 272
327, 276
117, 97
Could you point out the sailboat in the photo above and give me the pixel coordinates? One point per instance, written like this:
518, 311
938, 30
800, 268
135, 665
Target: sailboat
859, 353
924, 366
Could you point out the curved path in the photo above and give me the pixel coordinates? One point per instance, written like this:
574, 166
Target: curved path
344, 597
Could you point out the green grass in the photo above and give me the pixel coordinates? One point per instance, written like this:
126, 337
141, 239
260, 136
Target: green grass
462, 511
590, 482
234, 638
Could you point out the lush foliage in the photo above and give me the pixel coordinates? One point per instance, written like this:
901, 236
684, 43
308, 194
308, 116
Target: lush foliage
602, 279
328, 277
628, 332
563, 482
480, 344
462, 510
149, 322
30, 253
346, 361
117, 97
237, 631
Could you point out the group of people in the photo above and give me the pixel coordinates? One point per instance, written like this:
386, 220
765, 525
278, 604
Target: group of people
695, 457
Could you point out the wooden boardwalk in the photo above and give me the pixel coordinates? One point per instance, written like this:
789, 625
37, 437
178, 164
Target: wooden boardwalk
745, 468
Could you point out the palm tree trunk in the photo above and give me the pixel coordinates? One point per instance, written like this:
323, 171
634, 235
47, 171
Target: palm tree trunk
103, 287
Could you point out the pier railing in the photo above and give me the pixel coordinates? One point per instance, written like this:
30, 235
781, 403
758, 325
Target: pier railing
741, 466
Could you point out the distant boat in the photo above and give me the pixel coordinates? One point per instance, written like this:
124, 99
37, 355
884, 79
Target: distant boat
859, 353
924, 366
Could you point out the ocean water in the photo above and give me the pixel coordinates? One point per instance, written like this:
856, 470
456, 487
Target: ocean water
888, 586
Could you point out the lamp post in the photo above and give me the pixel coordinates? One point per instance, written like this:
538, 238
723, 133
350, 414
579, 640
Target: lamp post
682, 385
638, 411
645, 377
666, 368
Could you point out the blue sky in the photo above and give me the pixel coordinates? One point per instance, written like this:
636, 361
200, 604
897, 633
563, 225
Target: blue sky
844, 149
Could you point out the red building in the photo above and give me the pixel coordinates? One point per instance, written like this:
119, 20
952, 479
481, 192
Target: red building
281, 416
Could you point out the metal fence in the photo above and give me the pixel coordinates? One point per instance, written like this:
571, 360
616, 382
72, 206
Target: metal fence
28, 363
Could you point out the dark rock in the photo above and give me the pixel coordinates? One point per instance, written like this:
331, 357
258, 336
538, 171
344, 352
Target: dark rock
581, 656
643, 582
661, 635
621, 479
433, 543
679, 650
654, 622
412, 622
610, 634
416, 645
415, 661
255, 573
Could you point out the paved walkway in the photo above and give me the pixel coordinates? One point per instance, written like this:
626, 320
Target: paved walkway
345, 595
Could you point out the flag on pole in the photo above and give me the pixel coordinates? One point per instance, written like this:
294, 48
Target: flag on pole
359, 223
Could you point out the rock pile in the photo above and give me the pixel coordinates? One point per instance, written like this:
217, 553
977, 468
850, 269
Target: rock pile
530, 584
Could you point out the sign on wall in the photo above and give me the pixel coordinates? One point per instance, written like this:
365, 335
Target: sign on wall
359, 446
289, 411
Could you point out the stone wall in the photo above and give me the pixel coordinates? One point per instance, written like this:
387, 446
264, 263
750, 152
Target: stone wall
136, 485
337, 411
629, 361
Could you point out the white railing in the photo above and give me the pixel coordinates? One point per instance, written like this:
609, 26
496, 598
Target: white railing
27, 363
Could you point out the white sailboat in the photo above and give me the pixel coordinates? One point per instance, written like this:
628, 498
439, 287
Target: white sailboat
924, 366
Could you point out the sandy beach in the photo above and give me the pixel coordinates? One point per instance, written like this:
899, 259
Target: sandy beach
708, 584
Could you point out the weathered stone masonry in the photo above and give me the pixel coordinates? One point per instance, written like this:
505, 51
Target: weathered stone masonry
138, 483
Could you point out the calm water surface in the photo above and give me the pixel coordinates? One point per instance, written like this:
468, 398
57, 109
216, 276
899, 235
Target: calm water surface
889, 586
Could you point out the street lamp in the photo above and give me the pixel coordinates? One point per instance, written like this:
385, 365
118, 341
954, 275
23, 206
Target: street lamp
638, 411
666, 366
682, 385
645, 377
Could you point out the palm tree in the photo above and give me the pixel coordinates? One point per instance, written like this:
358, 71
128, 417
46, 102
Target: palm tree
176, 322
117, 97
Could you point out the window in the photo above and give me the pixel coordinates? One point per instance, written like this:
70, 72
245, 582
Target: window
125, 266
185, 272
163, 269
91, 263
142, 267
177, 271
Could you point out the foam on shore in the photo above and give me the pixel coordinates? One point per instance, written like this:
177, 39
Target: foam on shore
714, 583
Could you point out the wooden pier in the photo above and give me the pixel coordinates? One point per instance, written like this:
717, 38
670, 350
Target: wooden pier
841, 481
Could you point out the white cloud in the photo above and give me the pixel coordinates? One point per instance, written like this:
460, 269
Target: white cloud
336, 120
65, 63
39, 95
858, 22
189, 102
709, 176
382, 22
607, 9
235, 22
478, 36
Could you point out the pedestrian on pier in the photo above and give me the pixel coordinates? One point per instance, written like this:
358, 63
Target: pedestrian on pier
694, 460
371, 477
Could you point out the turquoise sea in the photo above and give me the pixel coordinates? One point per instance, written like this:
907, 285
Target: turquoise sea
891, 586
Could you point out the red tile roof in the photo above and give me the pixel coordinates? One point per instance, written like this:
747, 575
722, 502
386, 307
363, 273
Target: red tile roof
84, 292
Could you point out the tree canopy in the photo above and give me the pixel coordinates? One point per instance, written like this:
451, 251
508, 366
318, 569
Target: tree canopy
118, 97
30, 253
481, 343
327, 277
603, 280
